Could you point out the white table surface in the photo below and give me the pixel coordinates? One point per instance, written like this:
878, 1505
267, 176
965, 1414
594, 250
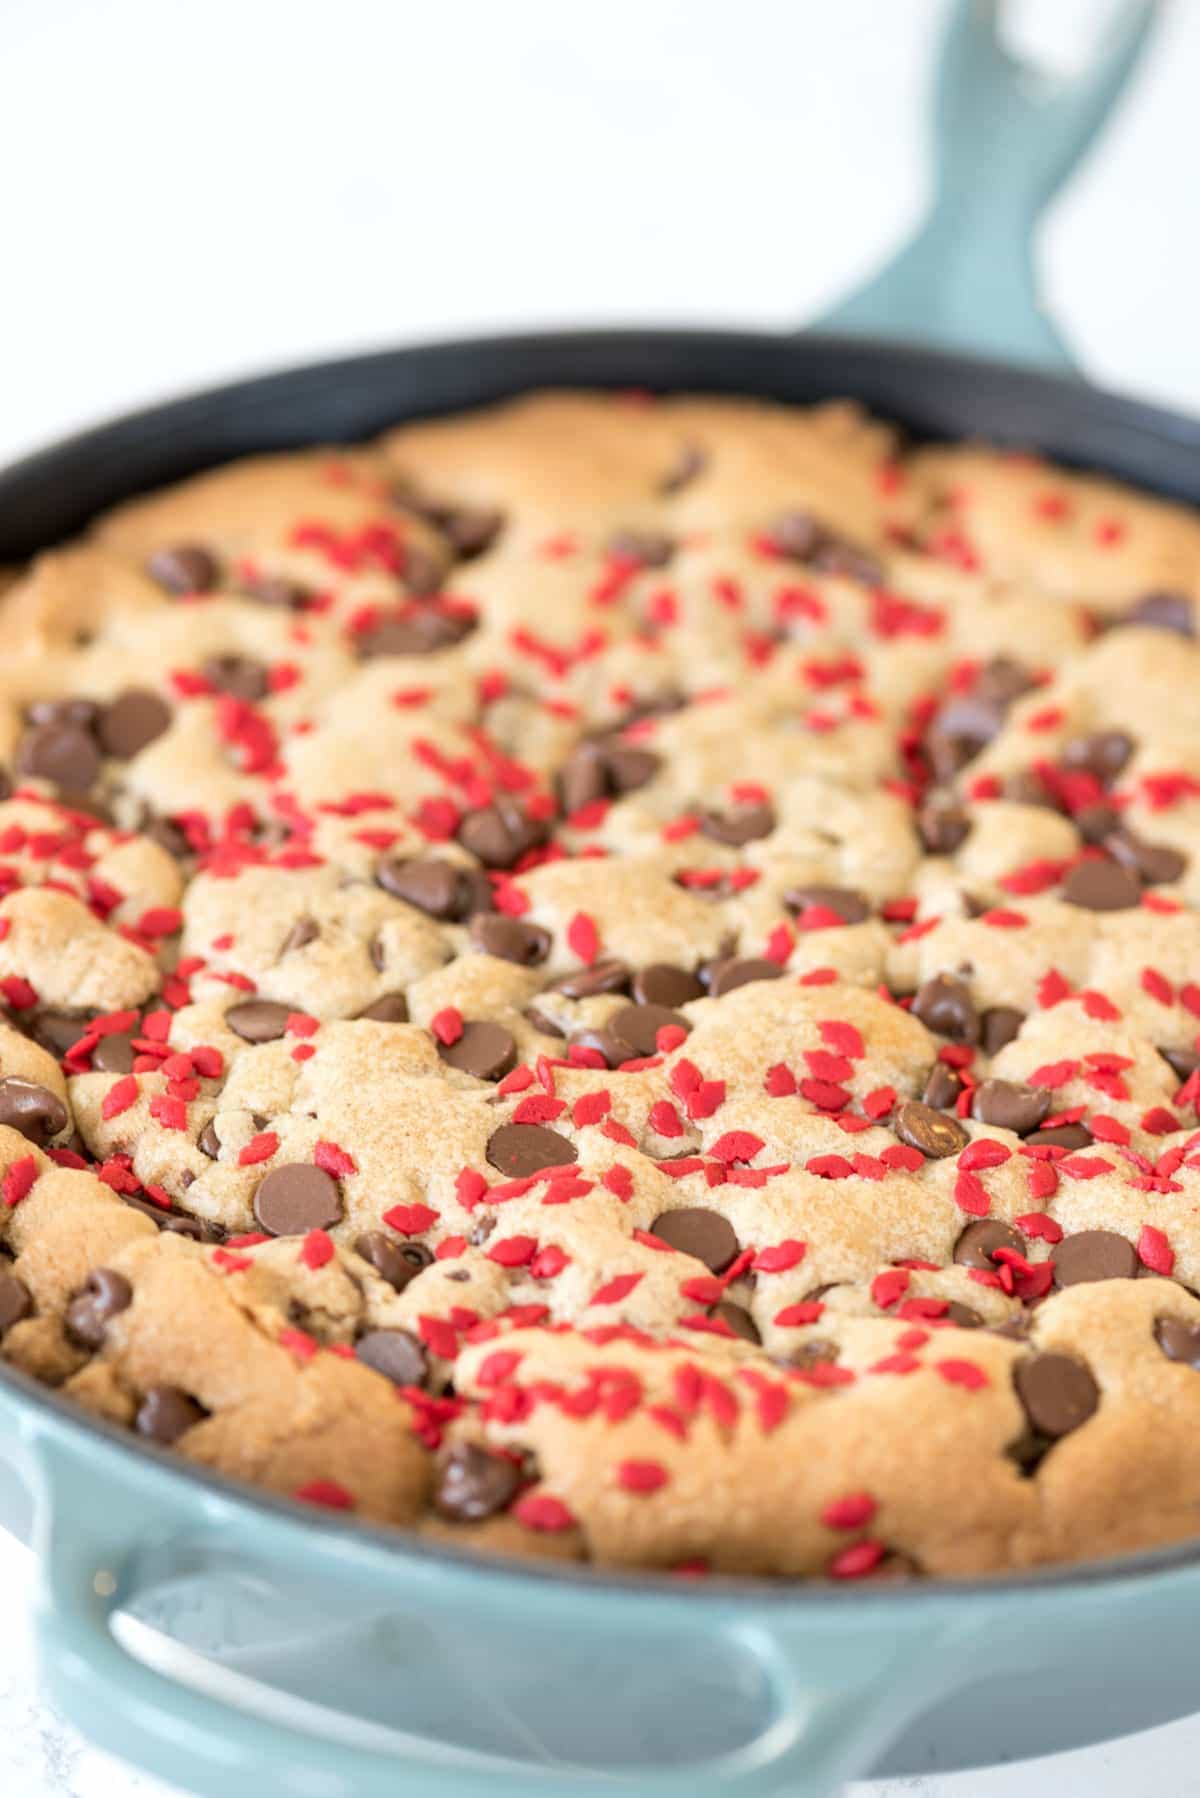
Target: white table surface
191, 192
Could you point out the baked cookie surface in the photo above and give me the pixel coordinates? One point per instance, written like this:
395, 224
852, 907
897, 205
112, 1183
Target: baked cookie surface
620, 979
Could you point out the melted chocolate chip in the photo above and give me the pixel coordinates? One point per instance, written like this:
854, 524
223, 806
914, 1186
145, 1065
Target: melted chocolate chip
398, 1263
639, 1025
724, 976
942, 1088
1163, 612
89, 1314
1102, 752
134, 719
1096, 885
65, 754
1010, 1105
978, 1243
1156, 864
31, 1109
1094, 1255
389, 1008
509, 939
736, 829
165, 1413
184, 568
15, 1301
518, 1150
930, 1131
653, 549
697, 1231
239, 676
604, 768
848, 904
439, 888
738, 1319
1001, 1026
664, 984
397, 1354
484, 1049
295, 1199
586, 983
500, 834
944, 1005
943, 825
1062, 1136
474, 1483
1057, 1393
1178, 1341
258, 1020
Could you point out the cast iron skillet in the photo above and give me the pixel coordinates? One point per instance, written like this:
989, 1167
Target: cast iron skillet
818, 1679
843, 1670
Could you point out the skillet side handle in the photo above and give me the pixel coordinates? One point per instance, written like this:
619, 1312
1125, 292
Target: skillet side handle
839, 1682
1004, 140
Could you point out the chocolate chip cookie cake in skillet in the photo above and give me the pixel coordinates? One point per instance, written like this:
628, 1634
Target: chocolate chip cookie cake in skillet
620, 979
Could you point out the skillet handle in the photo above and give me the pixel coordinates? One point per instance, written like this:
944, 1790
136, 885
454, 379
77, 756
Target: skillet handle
1005, 139
836, 1695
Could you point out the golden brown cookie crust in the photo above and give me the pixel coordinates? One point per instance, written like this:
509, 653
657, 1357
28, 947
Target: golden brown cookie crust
619, 979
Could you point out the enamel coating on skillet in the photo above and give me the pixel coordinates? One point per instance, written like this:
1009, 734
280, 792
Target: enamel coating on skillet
842, 1670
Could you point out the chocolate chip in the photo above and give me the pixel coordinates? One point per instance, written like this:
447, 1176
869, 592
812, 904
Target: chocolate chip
389, 1008
1094, 1255
1026, 787
419, 629
795, 534
639, 1026
1101, 886
942, 1088
586, 983
165, 1413
82, 713
167, 835
978, 1243
690, 462
396, 1354
664, 984
802, 538
1010, 1105
65, 754
258, 1020
697, 1231
964, 1316
473, 1483
1062, 1136
240, 676
439, 888
509, 939
1156, 864
471, 529
87, 1317
276, 590
614, 1049
1096, 822
298, 1198
1001, 1026
1057, 1393
303, 932
184, 568
135, 718
943, 825
541, 1021
500, 834
1182, 1062
398, 1263
519, 1150
737, 828
1178, 1341
1102, 752
930, 1131
724, 976
849, 904
653, 549
208, 1142
1163, 612
34, 1110
15, 1302
56, 1031
944, 1005
605, 769
484, 1049
738, 1319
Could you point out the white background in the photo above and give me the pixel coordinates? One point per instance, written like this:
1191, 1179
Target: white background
190, 191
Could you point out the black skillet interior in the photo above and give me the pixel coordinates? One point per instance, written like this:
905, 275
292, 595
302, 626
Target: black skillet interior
52, 494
